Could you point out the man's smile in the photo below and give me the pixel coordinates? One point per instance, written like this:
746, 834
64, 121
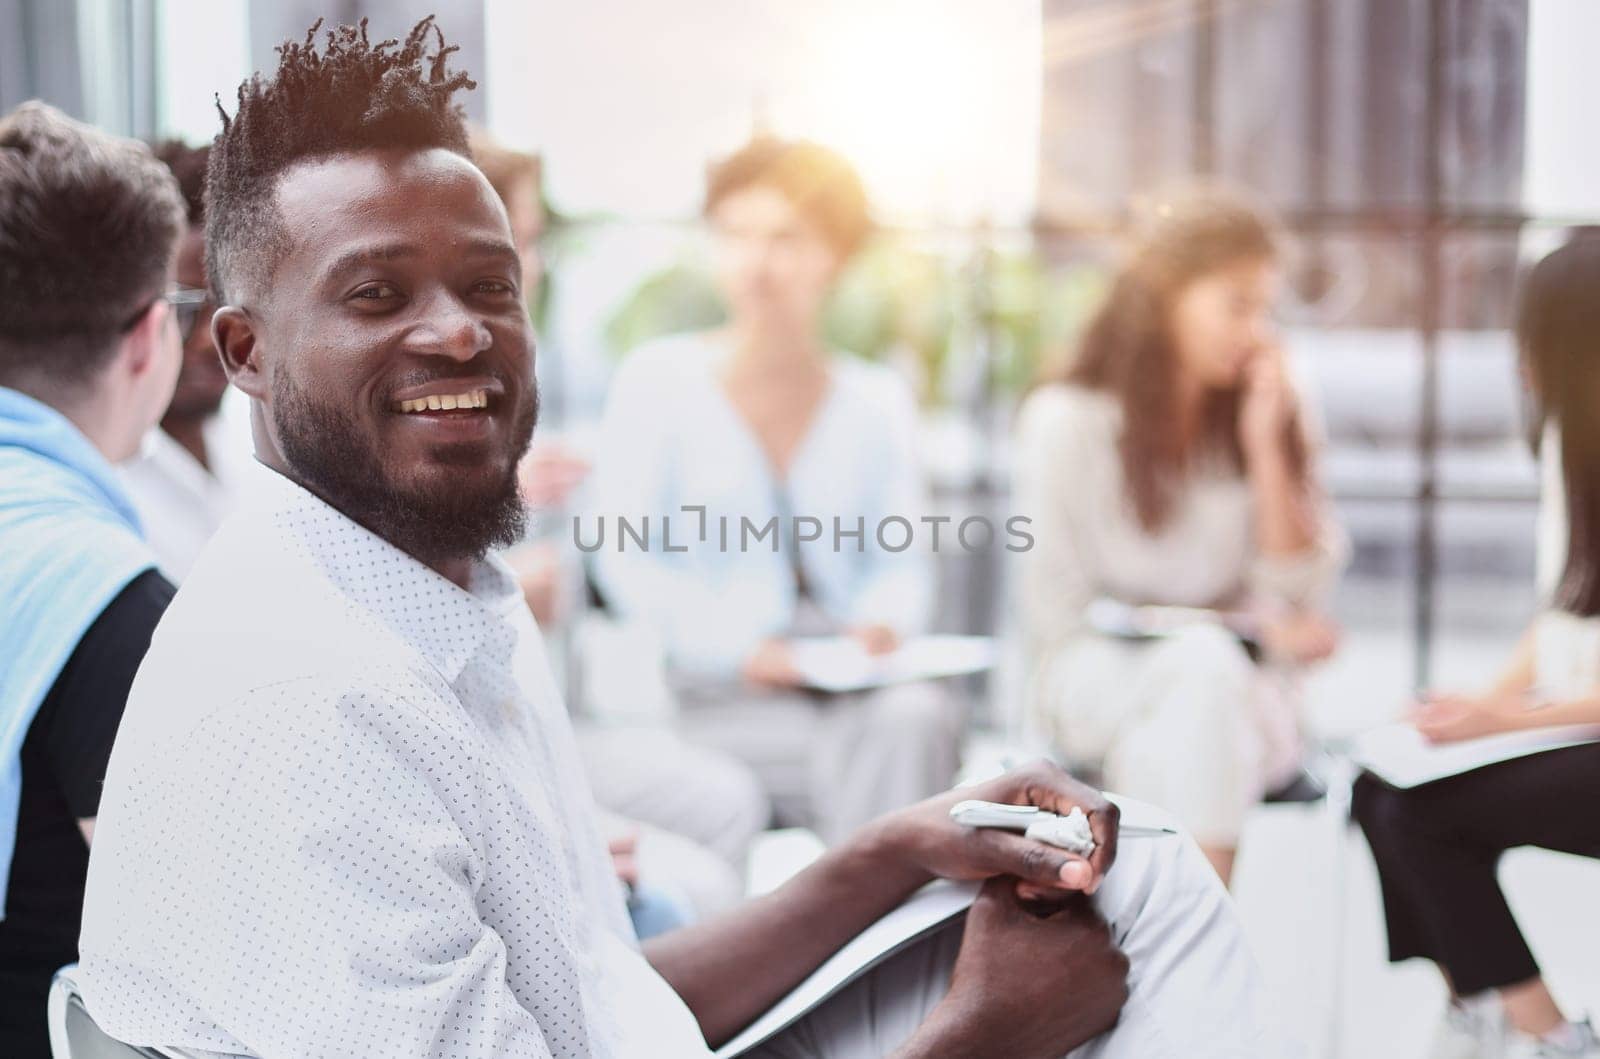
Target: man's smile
454, 409
464, 400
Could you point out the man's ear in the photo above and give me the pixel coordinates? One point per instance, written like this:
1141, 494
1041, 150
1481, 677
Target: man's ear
141, 344
234, 335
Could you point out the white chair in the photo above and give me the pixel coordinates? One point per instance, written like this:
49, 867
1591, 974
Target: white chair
74, 1033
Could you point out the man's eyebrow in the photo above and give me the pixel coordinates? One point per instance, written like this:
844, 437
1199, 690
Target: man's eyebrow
362, 255
493, 248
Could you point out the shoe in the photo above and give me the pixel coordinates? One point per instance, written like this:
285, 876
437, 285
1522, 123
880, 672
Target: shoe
1471, 1029
1584, 1045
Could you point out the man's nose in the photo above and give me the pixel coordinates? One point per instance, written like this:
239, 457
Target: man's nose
450, 329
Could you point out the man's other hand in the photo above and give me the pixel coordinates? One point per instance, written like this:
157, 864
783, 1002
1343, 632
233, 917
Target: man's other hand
1026, 985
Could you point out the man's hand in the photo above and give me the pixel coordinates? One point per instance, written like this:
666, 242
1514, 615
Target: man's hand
1026, 986
731, 968
926, 837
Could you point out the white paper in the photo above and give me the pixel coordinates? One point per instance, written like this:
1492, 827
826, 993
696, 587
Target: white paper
840, 663
1111, 617
1399, 755
936, 903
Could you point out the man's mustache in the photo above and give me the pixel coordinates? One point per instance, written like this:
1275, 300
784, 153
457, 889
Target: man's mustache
470, 370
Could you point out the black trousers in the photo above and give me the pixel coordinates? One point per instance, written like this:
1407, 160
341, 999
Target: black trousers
1437, 846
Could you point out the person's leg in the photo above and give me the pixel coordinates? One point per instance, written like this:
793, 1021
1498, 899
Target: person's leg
1194, 989
1082, 697
832, 763
1192, 743
1382, 814
654, 776
1437, 847
769, 732
881, 751
1530, 1007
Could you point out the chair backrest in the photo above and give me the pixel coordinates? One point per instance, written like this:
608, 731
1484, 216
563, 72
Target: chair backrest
74, 1033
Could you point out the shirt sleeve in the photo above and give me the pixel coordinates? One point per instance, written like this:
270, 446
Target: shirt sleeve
79, 715
1056, 581
320, 900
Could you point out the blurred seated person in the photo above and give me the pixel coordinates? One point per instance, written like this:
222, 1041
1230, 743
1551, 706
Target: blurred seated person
680, 816
760, 423
1171, 464
1438, 844
88, 356
185, 479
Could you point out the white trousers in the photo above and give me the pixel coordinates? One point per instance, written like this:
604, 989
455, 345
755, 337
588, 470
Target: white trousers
1187, 722
832, 763
1194, 989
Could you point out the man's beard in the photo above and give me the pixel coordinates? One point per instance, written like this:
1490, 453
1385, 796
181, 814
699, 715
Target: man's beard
336, 461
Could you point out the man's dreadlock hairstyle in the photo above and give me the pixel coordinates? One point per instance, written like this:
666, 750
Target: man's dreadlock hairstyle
353, 95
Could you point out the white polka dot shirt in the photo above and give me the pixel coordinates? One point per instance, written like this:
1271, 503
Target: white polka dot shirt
344, 816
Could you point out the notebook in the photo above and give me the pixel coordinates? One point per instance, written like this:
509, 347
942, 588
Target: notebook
840, 664
1399, 755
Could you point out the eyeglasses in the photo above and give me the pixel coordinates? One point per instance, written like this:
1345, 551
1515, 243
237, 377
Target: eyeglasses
189, 304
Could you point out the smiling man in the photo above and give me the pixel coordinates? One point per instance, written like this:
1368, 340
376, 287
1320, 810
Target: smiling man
345, 815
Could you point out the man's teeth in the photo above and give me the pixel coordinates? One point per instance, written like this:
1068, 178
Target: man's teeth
446, 402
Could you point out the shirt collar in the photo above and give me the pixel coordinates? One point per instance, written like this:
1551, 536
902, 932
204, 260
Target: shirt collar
444, 623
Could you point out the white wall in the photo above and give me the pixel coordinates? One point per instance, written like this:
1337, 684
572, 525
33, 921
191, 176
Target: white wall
1563, 149
937, 101
202, 51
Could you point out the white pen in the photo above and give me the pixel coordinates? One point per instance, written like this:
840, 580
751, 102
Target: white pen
1070, 832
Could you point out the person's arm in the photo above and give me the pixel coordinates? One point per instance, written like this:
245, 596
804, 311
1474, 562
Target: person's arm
82, 709
1450, 718
1510, 705
1300, 547
730, 969
1286, 515
1518, 675
1585, 710
1286, 522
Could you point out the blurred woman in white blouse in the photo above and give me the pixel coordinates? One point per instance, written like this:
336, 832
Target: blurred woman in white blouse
758, 421
1171, 464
